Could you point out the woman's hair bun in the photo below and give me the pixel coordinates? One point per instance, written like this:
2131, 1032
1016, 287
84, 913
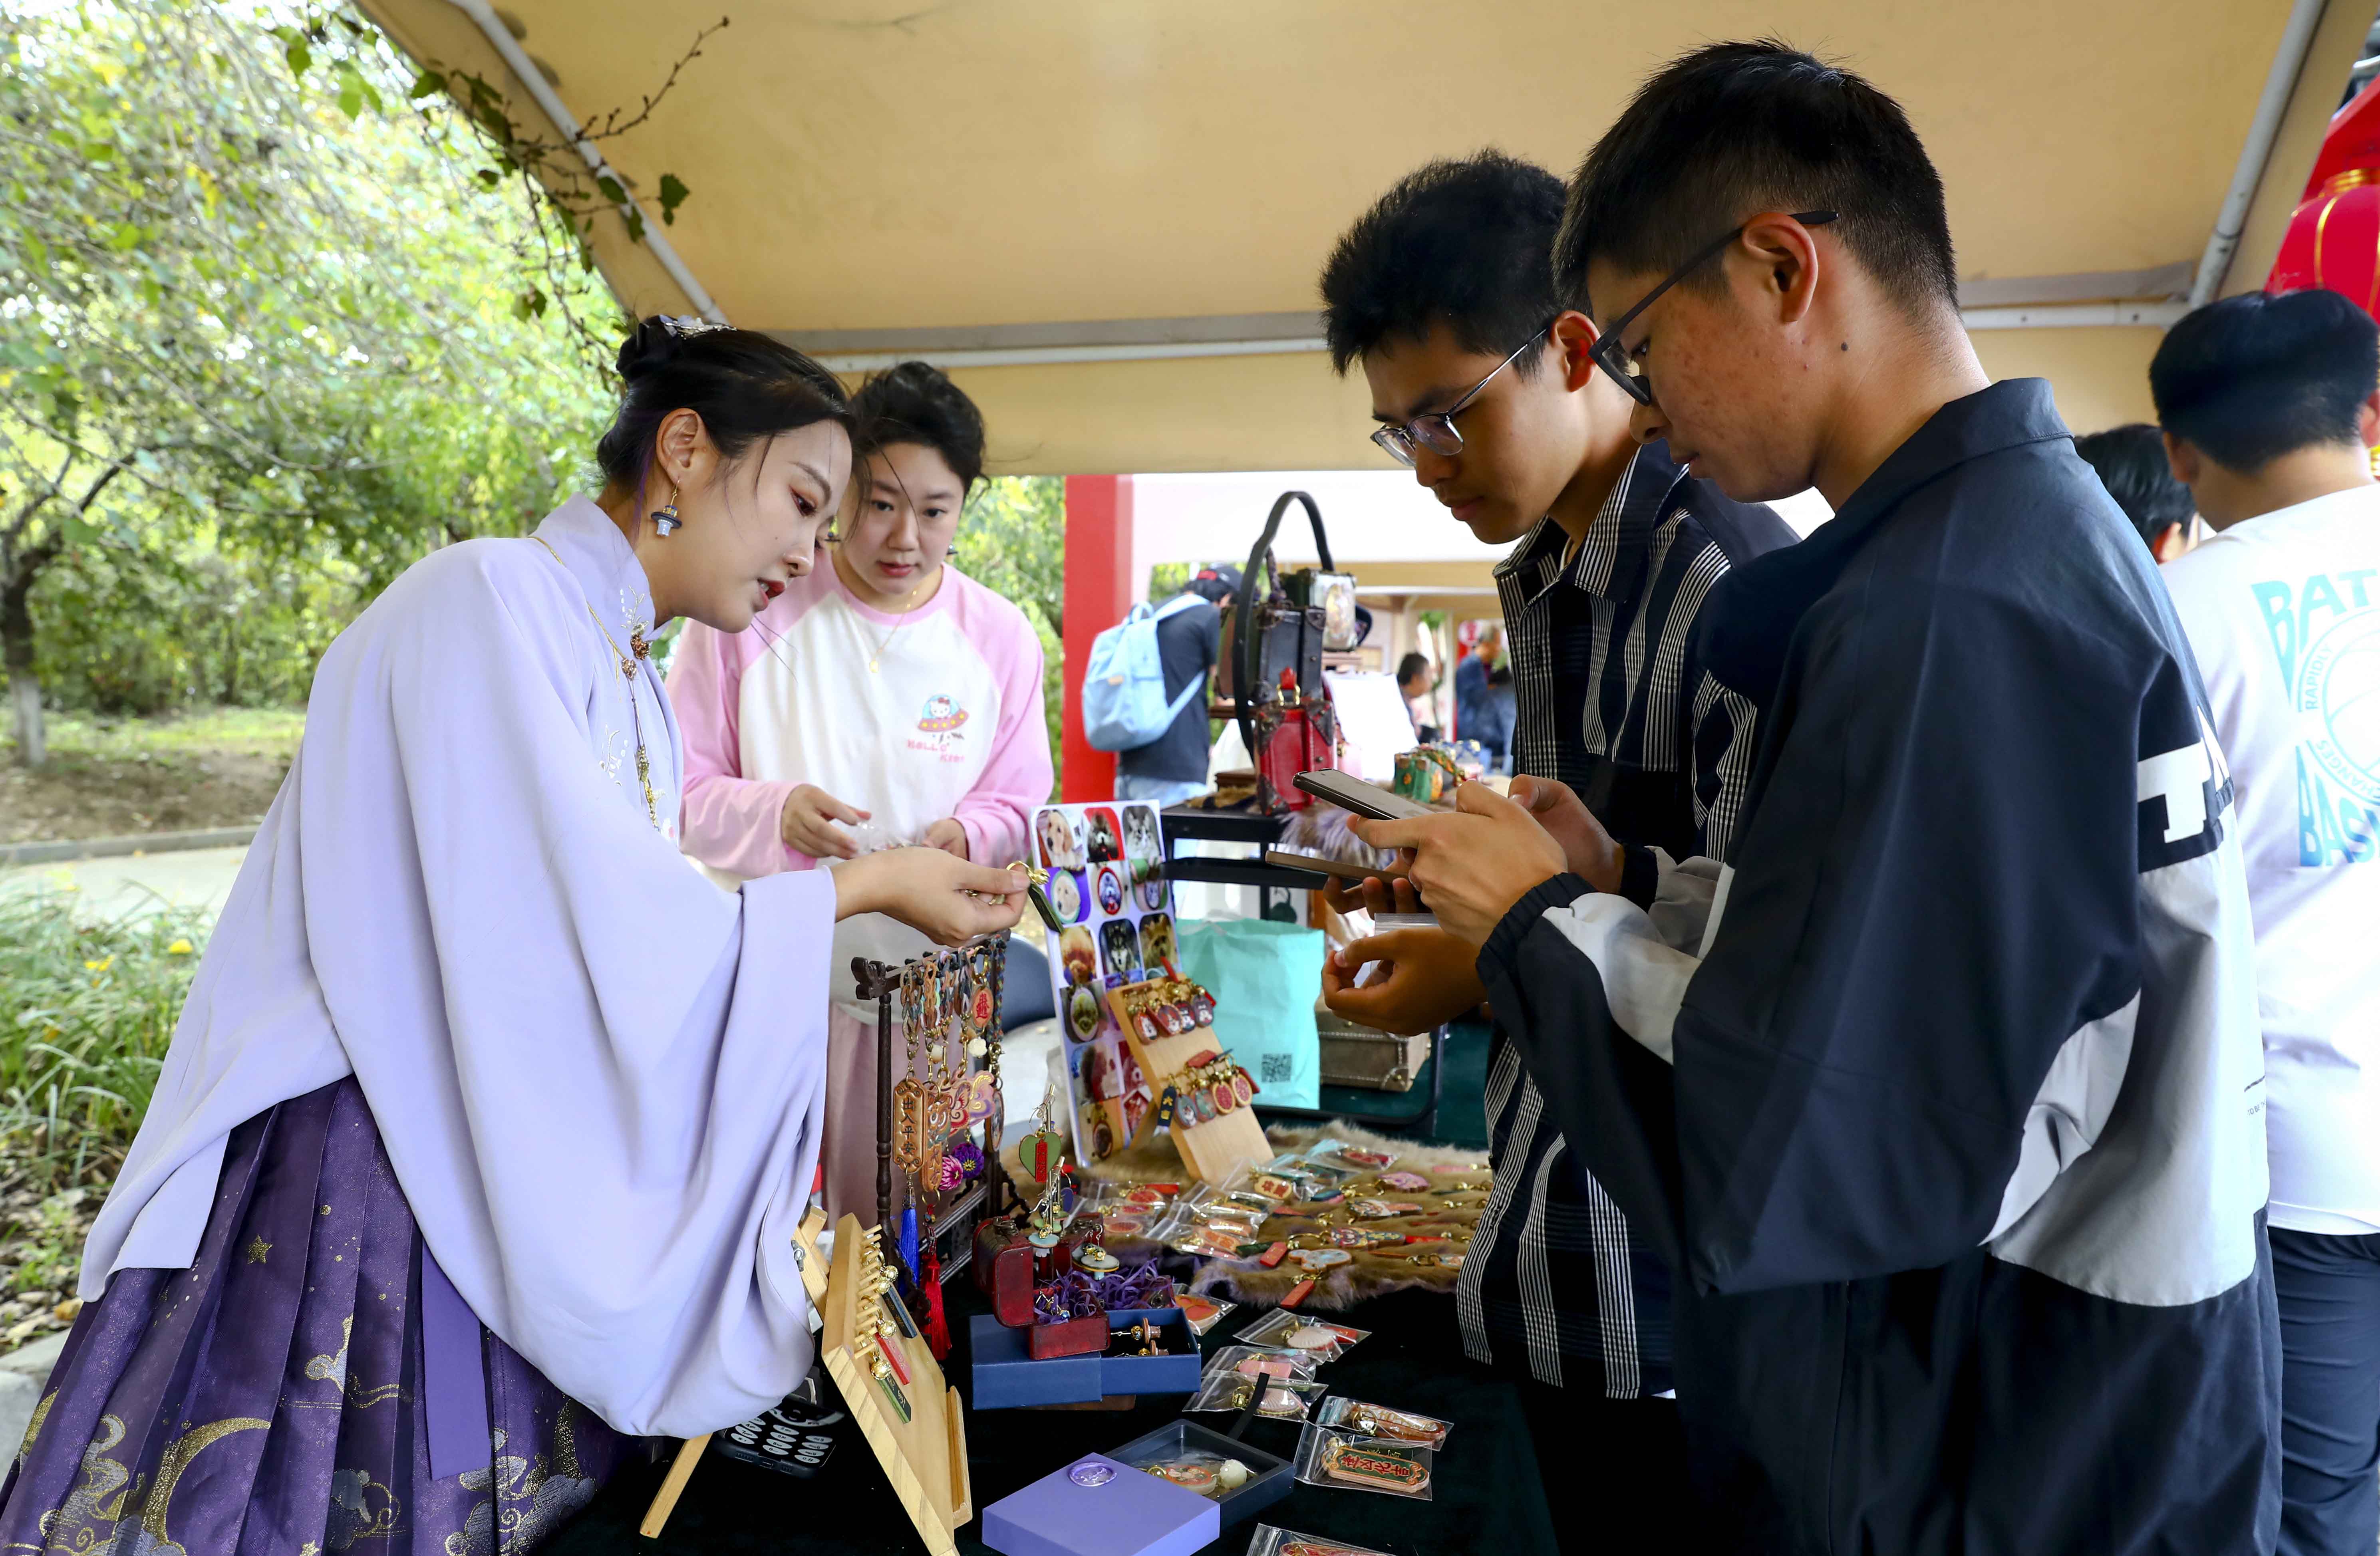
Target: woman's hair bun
745, 386
650, 346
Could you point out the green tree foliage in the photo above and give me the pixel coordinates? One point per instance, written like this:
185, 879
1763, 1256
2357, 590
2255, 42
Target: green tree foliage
144, 631
1013, 541
249, 323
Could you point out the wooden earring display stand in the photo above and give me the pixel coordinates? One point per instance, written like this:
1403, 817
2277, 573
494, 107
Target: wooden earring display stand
925, 1456
1212, 1150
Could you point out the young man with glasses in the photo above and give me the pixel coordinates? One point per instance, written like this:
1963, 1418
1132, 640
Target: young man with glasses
1944, 1097
1617, 550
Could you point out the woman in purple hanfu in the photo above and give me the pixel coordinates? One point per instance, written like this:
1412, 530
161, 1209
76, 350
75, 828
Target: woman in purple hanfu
480, 1148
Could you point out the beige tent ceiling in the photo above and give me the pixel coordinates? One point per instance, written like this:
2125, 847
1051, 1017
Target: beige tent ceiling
1111, 178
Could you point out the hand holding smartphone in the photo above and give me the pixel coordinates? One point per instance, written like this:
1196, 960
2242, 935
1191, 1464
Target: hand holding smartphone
1338, 868
1349, 793
1352, 794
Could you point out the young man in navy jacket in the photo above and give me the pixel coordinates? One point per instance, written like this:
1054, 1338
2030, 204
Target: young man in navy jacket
1944, 1096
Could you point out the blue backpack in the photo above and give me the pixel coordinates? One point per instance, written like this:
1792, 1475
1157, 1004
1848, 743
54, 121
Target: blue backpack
1124, 682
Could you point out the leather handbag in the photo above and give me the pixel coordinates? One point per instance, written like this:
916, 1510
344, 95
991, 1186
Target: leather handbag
1274, 633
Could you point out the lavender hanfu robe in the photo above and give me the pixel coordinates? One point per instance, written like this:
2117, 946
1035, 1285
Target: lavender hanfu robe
464, 985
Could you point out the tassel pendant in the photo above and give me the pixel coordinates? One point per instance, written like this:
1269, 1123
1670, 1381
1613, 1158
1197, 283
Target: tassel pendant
929, 1293
909, 1238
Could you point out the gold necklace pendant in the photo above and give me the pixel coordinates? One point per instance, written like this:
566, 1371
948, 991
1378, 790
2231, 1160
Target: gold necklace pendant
628, 674
900, 621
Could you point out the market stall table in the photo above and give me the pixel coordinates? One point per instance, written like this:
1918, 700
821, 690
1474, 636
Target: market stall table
1488, 1497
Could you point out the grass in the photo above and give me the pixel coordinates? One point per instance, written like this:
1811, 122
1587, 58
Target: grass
211, 767
86, 1011
258, 732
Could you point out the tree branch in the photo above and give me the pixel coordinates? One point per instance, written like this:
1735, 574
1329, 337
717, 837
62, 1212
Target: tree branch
613, 124
33, 505
98, 485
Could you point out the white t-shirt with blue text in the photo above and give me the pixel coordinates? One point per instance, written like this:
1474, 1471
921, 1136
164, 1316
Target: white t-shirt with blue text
2283, 612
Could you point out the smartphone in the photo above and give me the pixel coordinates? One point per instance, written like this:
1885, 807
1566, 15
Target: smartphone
1364, 799
1315, 863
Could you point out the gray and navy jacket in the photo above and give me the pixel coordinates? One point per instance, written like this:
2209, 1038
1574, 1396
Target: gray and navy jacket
1611, 698
1945, 1098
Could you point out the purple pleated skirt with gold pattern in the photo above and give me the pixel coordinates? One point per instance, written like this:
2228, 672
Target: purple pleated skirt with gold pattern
268, 1399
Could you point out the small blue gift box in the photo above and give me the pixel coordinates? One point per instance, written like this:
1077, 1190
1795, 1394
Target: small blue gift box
1174, 1373
1097, 1507
1006, 1376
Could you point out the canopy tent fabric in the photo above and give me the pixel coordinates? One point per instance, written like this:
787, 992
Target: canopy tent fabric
1106, 216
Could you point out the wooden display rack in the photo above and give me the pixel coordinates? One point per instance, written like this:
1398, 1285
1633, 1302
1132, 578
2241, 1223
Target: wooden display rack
1212, 1150
924, 1457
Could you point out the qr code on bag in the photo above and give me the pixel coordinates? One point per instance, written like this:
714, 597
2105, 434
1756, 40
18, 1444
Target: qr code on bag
1276, 1069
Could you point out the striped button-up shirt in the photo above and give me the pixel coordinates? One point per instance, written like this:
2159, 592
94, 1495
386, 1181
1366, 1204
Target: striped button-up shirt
1612, 699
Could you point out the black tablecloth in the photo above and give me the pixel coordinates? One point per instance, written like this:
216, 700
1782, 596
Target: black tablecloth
1488, 1500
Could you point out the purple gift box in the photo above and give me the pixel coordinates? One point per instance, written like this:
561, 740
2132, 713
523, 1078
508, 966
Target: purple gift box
1097, 1507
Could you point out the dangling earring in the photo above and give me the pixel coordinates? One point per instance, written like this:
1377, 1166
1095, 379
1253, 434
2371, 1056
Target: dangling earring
665, 517
950, 551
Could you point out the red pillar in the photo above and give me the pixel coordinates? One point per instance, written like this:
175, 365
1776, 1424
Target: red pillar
1099, 592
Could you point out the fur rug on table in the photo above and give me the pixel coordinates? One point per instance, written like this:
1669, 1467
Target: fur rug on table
1364, 1276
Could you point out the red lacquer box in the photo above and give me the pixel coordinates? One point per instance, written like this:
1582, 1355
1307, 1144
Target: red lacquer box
1005, 1269
1075, 1337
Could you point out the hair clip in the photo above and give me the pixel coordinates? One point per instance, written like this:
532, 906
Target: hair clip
684, 325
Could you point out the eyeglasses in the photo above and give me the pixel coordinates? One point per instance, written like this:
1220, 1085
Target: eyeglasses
1613, 357
1436, 431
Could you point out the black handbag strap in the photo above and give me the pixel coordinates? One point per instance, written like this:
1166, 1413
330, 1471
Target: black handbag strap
1247, 650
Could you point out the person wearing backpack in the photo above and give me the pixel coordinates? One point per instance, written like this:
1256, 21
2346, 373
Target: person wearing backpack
1168, 766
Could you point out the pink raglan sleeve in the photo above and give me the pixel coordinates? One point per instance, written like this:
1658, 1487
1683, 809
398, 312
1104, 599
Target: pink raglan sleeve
998, 810
727, 821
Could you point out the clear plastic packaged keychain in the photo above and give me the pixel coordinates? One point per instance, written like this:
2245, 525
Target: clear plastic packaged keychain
1258, 1361
1203, 1312
1284, 1399
1378, 1421
1271, 1541
1346, 1462
1285, 1330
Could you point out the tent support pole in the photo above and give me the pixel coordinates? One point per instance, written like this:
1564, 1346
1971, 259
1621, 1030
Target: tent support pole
2280, 85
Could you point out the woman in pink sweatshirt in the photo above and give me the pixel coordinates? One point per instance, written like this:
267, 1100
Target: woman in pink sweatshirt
890, 689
